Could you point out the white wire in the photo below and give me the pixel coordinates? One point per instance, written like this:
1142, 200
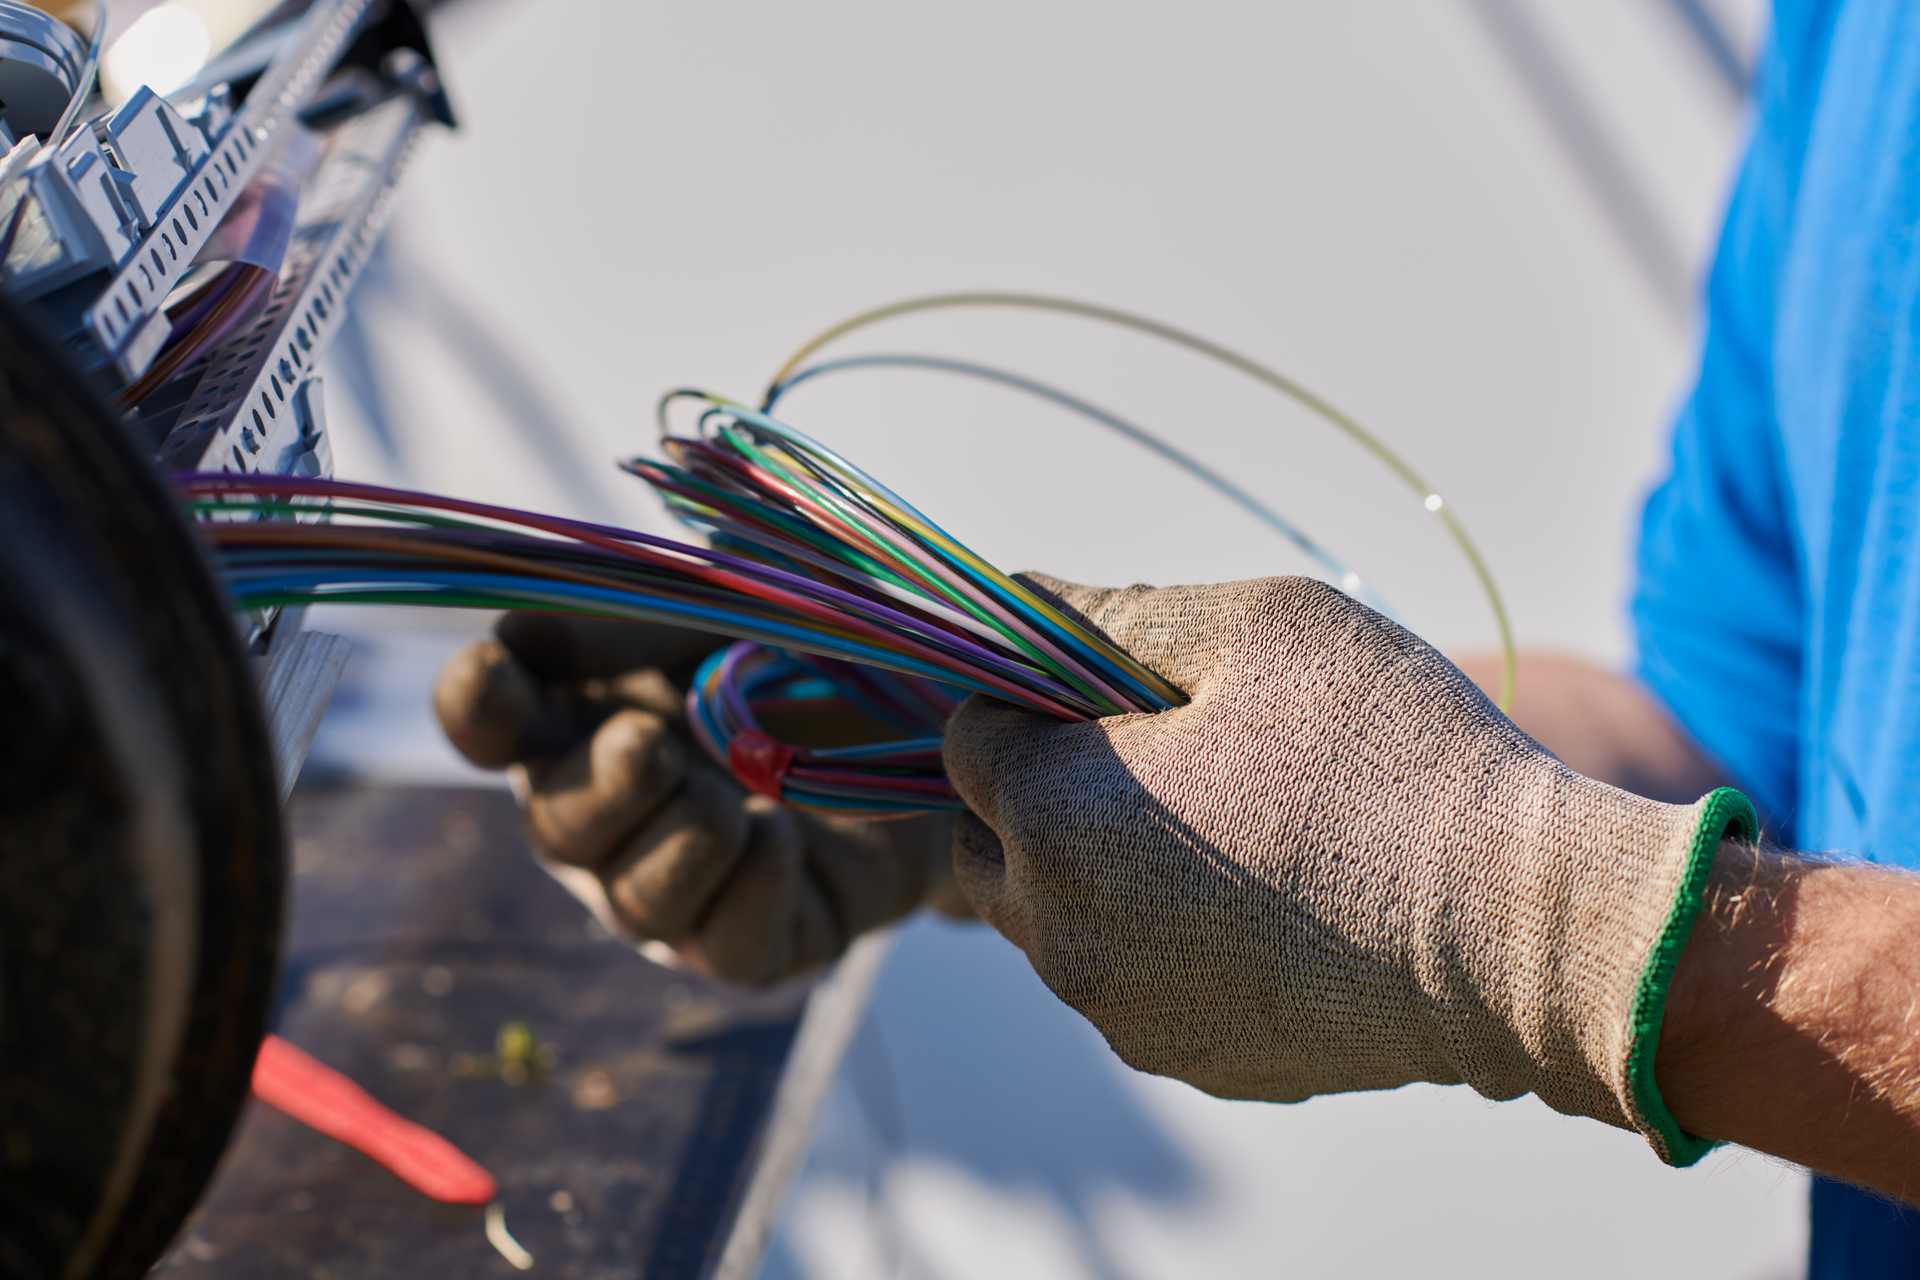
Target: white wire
83, 88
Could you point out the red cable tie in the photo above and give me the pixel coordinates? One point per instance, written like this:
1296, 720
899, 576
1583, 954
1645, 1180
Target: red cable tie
760, 761
321, 1098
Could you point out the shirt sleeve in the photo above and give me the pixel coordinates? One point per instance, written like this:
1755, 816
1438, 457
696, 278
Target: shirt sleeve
1718, 609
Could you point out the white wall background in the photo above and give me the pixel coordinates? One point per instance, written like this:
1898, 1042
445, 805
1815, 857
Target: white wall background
647, 196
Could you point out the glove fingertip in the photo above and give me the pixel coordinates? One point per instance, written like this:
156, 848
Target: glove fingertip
485, 701
983, 715
980, 869
985, 742
745, 935
565, 648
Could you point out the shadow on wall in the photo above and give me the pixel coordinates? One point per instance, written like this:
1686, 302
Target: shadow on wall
968, 1061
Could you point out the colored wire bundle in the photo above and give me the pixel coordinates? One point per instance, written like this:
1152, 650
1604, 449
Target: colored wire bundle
841, 595
759, 488
753, 484
414, 548
748, 677
842, 570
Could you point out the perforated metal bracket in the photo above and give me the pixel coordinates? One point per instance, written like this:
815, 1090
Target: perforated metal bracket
120, 315
249, 412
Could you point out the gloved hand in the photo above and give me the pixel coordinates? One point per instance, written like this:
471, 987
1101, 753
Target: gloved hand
629, 813
1338, 867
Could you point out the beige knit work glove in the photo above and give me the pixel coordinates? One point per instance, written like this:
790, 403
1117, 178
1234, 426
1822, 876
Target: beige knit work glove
1338, 867
628, 812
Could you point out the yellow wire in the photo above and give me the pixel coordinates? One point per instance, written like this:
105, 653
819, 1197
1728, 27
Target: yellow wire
1346, 425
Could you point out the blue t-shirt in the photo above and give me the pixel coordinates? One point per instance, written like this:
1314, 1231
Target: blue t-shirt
1778, 605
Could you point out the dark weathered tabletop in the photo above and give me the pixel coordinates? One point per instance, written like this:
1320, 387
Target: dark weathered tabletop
420, 932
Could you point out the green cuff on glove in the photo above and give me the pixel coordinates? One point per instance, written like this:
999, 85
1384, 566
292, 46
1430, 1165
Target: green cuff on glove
1724, 813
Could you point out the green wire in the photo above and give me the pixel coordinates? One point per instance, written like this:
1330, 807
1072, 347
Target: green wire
800, 530
783, 464
331, 507
895, 513
914, 581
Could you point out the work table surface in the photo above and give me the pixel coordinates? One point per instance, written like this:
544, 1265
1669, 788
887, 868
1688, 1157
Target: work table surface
419, 929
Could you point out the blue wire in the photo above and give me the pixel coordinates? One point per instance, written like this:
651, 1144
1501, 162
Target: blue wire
542, 590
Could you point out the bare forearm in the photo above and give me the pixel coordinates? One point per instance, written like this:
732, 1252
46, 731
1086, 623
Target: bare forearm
1793, 1022
1601, 724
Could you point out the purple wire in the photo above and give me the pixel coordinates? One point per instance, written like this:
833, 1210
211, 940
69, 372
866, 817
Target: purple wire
928, 631
730, 695
204, 301
259, 283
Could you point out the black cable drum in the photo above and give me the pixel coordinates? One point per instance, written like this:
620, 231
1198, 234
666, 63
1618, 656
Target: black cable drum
141, 869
